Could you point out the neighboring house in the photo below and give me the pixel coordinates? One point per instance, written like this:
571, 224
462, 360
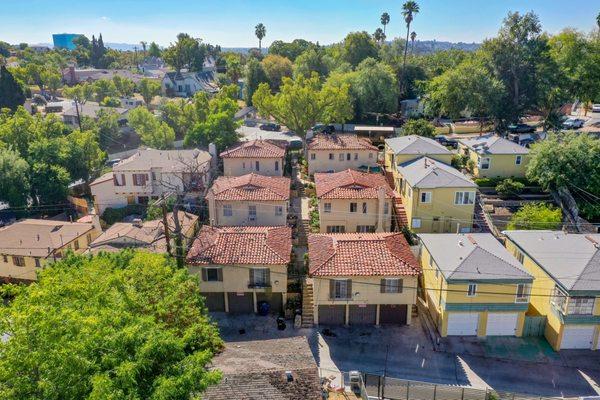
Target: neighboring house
436, 196
362, 278
246, 113
401, 149
90, 109
72, 76
239, 267
145, 235
494, 156
131, 102
150, 173
27, 245
251, 199
186, 84
566, 289
264, 157
338, 152
274, 369
352, 201
473, 285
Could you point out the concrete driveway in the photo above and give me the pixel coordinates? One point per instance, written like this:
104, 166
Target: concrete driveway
410, 355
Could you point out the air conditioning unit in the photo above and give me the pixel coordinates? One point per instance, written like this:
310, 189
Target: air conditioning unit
355, 381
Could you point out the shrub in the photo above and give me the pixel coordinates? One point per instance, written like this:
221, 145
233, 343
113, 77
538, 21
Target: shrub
509, 187
536, 216
458, 161
112, 215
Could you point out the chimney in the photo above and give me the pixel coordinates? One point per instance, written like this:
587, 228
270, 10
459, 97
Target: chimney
380, 206
96, 222
212, 150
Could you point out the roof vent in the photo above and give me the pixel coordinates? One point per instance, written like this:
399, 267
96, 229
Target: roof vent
460, 243
137, 222
594, 241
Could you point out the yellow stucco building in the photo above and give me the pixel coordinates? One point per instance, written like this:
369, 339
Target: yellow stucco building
263, 157
494, 156
566, 289
473, 285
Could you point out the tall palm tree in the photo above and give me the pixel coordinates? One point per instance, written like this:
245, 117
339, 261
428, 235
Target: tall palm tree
385, 19
144, 44
379, 35
413, 36
409, 9
260, 31
598, 20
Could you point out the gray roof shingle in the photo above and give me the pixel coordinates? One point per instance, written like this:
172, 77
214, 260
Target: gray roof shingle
414, 144
426, 173
493, 144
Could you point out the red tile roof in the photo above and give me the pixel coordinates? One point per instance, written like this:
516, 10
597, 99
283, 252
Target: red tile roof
350, 184
346, 141
361, 254
256, 149
242, 245
251, 187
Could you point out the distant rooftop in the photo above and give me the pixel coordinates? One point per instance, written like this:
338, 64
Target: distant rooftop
414, 144
493, 144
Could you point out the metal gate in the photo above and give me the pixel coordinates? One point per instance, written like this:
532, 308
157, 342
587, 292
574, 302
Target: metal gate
214, 301
534, 326
240, 303
365, 314
393, 314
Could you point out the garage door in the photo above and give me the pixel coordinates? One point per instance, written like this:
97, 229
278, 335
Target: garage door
463, 324
502, 324
577, 337
363, 314
332, 315
214, 301
392, 314
240, 303
275, 301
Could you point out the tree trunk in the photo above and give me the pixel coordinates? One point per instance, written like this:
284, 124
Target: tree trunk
571, 219
404, 60
78, 114
179, 253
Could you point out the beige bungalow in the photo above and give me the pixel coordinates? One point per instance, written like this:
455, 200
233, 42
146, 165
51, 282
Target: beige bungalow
263, 157
338, 152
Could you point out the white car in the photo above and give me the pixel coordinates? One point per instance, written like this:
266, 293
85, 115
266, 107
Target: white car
573, 123
595, 107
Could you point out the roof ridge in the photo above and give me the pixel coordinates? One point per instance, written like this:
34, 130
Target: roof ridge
461, 263
588, 266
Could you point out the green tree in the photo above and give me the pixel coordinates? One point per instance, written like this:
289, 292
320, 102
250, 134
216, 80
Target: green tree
291, 50
4, 49
80, 94
86, 159
358, 46
179, 115
11, 93
148, 89
124, 87
260, 31
104, 88
303, 102
14, 178
375, 88
154, 133
420, 127
313, 60
509, 187
409, 9
385, 19
379, 36
535, 216
154, 50
186, 52
254, 76
107, 127
234, 67
125, 325
276, 68
49, 183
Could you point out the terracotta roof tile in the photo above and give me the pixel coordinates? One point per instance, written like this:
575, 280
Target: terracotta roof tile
351, 184
251, 187
256, 149
241, 245
340, 142
361, 254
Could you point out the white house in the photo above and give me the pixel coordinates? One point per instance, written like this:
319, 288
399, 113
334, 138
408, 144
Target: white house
148, 174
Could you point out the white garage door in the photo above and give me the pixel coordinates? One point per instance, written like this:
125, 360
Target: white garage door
463, 324
577, 337
502, 324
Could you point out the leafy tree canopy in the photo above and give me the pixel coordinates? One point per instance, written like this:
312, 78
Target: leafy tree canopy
420, 127
291, 50
358, 46
153, 132
536, 216
276, 68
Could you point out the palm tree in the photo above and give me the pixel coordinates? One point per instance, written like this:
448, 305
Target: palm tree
260, 31
598, 20
409, 9
144, 44
379, 36
385, 19
413, 36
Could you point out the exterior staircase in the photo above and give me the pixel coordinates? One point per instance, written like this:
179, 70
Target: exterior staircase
480, 219
308, 318
400, 213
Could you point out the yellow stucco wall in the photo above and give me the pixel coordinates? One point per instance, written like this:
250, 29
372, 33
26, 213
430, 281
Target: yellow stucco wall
236, 279
265, 213
501, 165
369, 289
243, 166
340, 214
322, 163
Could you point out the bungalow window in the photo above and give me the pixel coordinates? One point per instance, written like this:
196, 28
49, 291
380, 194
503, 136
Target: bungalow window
327, 207
88, 238
391, 285
484, 163
252, 213
18, 261
341, 157
139, 179
365, 228
278, 210
520, 256
336, 229
340, 289
331, 156
581, 305
313, 156
353, 207
386, 208
37, 262
416, 222
212, 274
425, 197
257, 166
116, 180
5, 258
348, 157
364, 208
464, 198
76, 244
518, 160
227, 210
244, 165
558, 299
260, 277
276, 165
472, 290
356, 156
522, 293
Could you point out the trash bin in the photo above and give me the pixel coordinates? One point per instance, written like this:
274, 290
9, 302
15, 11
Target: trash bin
263, 308
281, 323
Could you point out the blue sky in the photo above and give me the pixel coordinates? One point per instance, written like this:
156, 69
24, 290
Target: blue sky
230, 23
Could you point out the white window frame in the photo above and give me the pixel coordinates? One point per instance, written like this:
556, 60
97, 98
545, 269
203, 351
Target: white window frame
586, 306
262, 274
525, 290
416, 222
427, 196
340, 289
489, 162
460, 197
392, 285
327, 208
472, 290
251, 213
519, 160
227, 210
365, 229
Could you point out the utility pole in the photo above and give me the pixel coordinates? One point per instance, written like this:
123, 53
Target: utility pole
177, 232
166, 225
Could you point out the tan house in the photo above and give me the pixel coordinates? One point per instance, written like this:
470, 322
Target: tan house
362, 278
437, 198
494, 156
401, 149
148, 174
352, 201
338, 152
250, 199
263, 157
145, 235
473, 285
27, 245
239, 267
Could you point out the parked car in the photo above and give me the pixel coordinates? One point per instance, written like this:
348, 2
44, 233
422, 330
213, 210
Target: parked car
521, 128
322, 128
446, 141
272, 127
573, 123
595, 107
112, 162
